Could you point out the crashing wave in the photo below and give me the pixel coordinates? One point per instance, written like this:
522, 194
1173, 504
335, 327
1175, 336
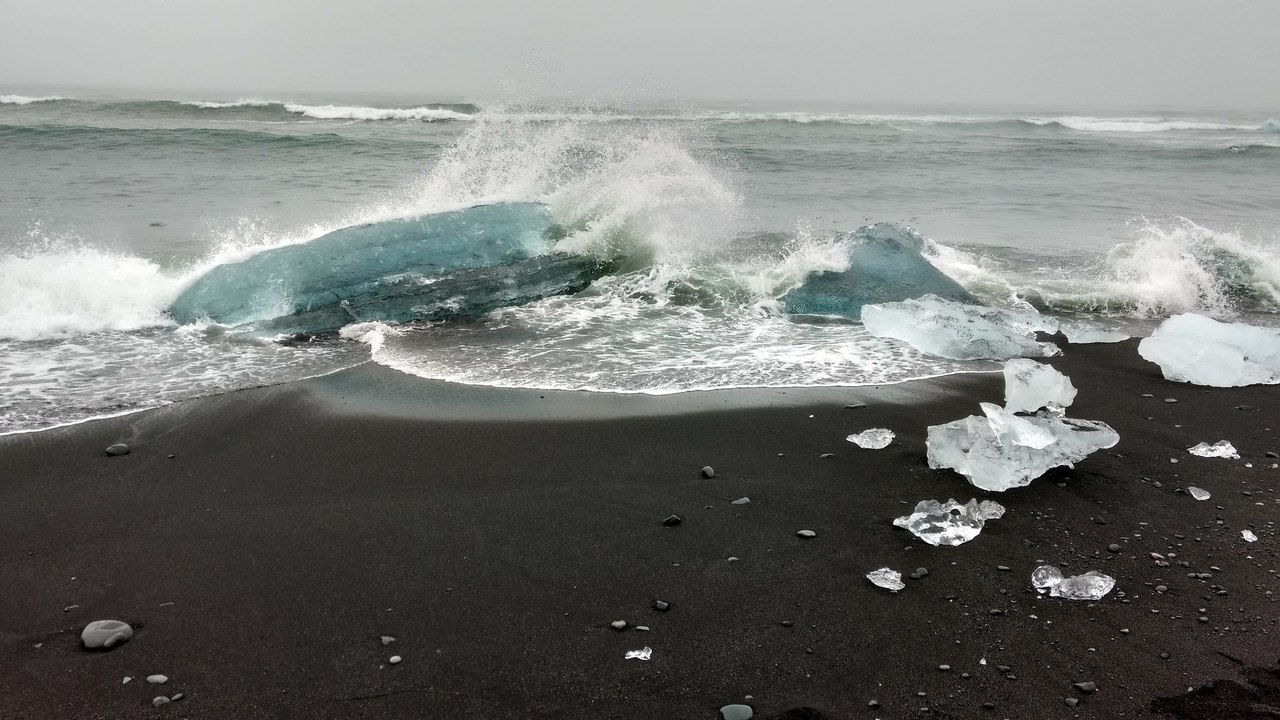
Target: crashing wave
429, 113
24, 100
1135, 125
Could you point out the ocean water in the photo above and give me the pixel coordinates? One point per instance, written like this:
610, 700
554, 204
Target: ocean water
111, 206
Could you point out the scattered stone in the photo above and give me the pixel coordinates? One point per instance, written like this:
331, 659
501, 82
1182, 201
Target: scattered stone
1162, 588
672, 521
105, 634
661, 606
1203, 618
1113, 547
708, 471
157, 679
1003, 568
732, 558
873, 703
1171, 400
1198, 493
922, 572
1271, 454
1071, 702
159, 700
176, 697
642, 628
395, 659
126, 680
827, 455
118, 449
944, 668
806, 534
1248, 536
618, 624
742, 501
642, 654
387, 640
1087, 686
887, 578
736, 712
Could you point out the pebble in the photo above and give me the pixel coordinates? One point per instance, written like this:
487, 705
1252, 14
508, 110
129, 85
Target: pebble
672, 521
157, 679
708, 471
827, 455
1203, 618
387, 640
661, 606
1271, 454
159, 700
944, 668
1071, 702
618, 624
105, 633
1003, 568
922, 571
1113, 547
736, 712
806, 534
873, 703
395, 659
1171, 400
642, 628
1087, 686
1162, 588
732, 558
741, 501
118, 449
176, 697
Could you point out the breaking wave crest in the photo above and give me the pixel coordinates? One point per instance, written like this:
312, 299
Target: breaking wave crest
24, 100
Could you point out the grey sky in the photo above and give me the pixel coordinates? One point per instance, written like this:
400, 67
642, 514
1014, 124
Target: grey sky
1069, 53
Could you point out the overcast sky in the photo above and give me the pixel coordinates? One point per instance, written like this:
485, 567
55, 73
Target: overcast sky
1223, 54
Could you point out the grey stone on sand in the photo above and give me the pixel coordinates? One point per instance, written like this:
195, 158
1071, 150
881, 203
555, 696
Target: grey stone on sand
618, 624
806, 534
118, 449
1087, 686
1113, 547
708, 471
395, 659
922, 571
672, 521
736, 712
159, 700
105, 634
741, 501
157, 679
661, 606
387, 640
1071, 702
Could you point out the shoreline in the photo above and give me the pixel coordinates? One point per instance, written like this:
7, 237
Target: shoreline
496, 534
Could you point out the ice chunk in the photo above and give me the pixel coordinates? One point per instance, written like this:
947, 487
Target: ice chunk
949, 523
1248, 536
952, 330
1198, 493
888, 579
1220, 449
1002, 450
1195, 349
1080, 333
643, 654
457, 264
1092, 585
105, 633
1031, 385
873, 439
885, 265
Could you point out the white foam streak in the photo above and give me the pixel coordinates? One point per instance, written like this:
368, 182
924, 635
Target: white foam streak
1135, 125
339, 112
24, 100
211, 105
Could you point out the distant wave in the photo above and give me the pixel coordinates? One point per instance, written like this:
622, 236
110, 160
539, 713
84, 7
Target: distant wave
429, 113
89, 135
213, 105
24, 100
1135, 125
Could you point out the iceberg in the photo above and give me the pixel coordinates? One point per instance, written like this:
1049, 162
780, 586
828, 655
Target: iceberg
1001, 450
457, 264
949, 523
1029, 386
938, 326
1092, 585
1195, 349
885, 265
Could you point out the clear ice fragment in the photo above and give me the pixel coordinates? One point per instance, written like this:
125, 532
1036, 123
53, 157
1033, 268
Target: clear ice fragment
1092, 585
1198, 493
1080, 333
643, 654
947, 329
949, 523
1031, 385
1195, 349
886, 578
1248, 536
873, 439
1220, 449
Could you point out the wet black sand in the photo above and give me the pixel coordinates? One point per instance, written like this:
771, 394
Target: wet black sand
298, 524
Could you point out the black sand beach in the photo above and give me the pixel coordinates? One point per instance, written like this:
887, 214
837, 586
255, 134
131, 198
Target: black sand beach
262, 542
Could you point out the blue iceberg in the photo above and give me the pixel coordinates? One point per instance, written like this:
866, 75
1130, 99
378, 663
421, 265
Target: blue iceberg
450, 265
885, 265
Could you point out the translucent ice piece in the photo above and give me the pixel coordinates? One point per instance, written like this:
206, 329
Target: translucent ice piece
1031, 385
952, 330
643, 654
890, 580
949, 523
873, 439
1195, 349
1248, 536
1198, 493
1220, 449
1092, 585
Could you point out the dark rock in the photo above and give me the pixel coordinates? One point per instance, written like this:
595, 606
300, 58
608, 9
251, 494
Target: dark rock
661, 606
118, 449
1113, 547
1071, 702
708, 471
672, 521
1087, 686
